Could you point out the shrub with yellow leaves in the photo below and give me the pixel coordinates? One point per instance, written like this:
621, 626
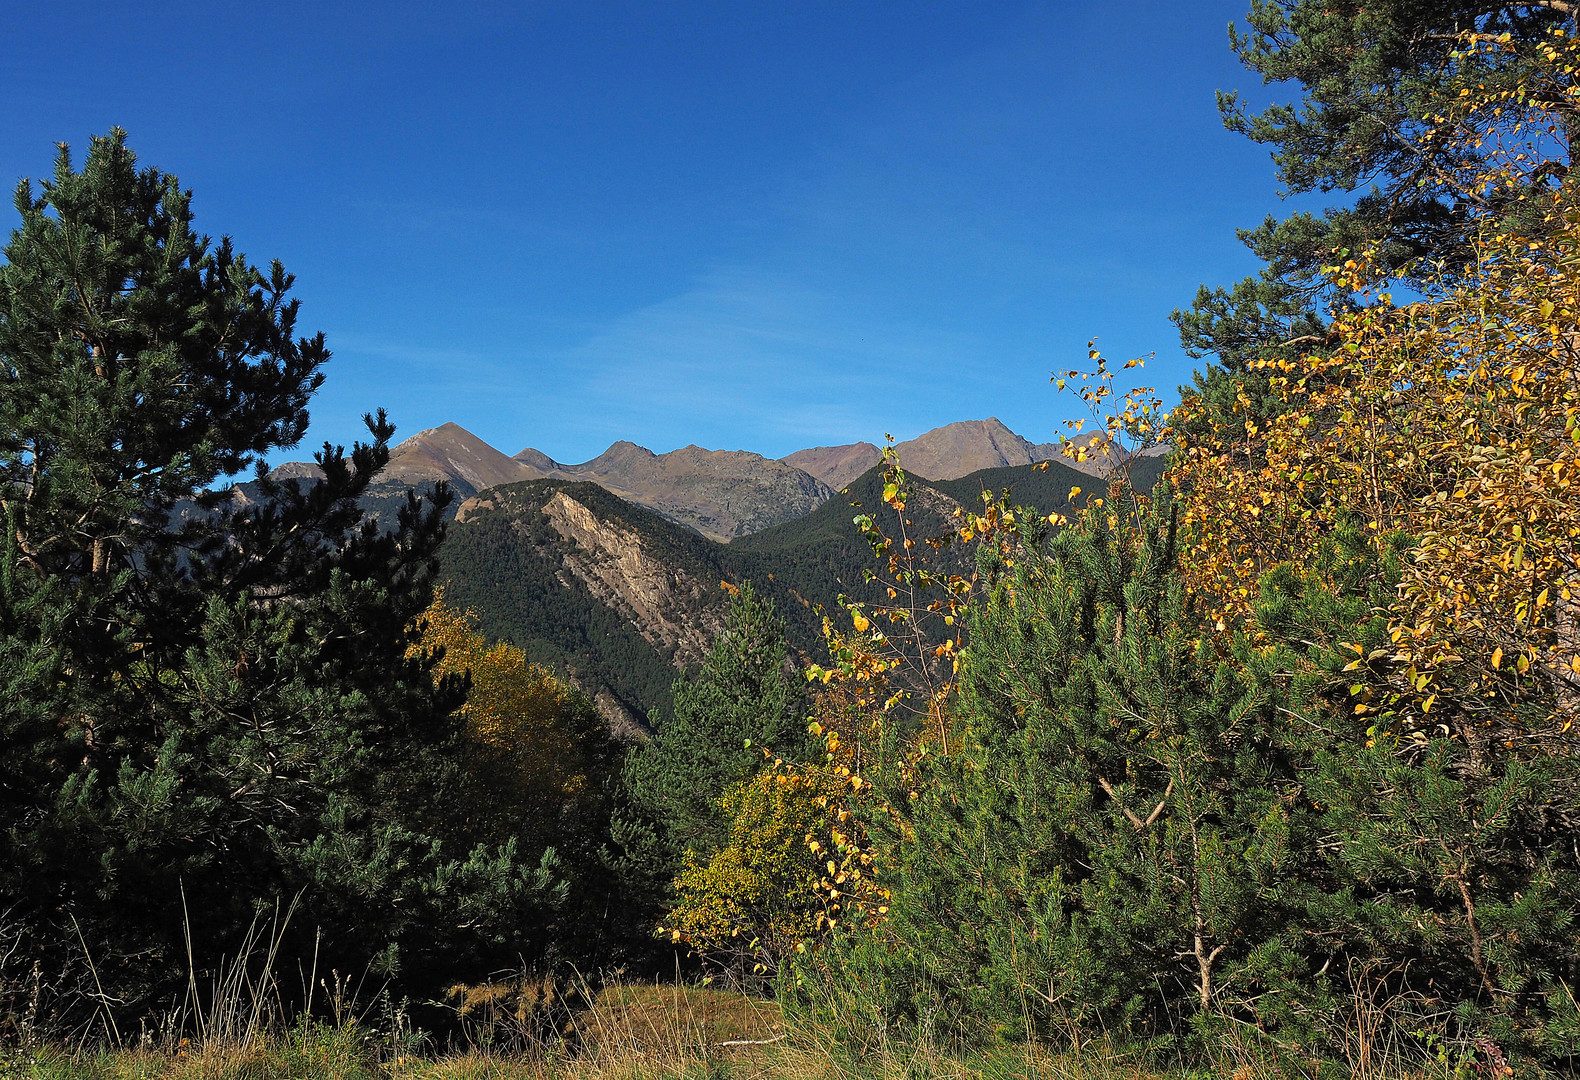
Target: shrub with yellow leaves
1453, 420
541, 757
798, 864
753, 901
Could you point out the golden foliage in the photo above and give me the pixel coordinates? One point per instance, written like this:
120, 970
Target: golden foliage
1452, 421
528, 765
889, 686
753, 900
857, 743
904, 652
797, 863
1136, 415
1506, 148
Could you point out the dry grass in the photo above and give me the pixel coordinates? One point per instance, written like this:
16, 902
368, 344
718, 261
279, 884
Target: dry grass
674, 1019
317, 1055
630, 1032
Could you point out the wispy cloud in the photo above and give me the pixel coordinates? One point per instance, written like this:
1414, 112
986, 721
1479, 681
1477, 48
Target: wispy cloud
746, 350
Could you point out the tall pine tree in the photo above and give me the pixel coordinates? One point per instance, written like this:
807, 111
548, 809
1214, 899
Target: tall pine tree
1108, 846
206, 705
741, 702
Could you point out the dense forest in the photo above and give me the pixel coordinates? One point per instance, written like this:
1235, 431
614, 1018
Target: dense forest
1257, 756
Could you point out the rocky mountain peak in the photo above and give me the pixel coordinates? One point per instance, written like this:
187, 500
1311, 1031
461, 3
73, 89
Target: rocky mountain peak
953, 450
836, 466
722, 494
537, 459
450, 452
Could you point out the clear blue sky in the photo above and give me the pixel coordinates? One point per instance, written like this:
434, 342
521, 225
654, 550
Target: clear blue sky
750, 226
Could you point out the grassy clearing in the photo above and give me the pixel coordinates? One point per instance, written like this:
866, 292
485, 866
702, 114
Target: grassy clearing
329, 1055
631, 1032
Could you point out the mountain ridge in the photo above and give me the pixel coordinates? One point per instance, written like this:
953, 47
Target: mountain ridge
949, 452
720, 494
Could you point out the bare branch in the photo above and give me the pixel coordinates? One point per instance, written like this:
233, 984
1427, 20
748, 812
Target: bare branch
1106, 786
1157, 810
751, 1042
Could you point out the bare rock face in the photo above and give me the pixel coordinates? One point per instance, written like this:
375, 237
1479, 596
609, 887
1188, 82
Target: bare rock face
955, 450
615, 567
297, 470
836, 466
623, 723
470, 508
608, 593
720, 493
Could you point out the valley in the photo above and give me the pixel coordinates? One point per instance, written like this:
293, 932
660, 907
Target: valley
614, 571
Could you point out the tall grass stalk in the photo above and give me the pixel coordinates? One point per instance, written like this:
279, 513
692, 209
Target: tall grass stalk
241, 1002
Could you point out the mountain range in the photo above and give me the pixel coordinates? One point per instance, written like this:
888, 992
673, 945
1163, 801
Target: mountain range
615, 571
622, 599
721, 494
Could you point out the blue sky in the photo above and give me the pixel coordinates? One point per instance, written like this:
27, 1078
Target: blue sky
751, 226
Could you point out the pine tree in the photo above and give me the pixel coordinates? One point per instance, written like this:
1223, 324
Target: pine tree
208, 702
1108, 847
740, 703
1371, 79
1150, 830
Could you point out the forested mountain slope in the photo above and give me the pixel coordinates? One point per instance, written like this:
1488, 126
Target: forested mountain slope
613, 594
622, 599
